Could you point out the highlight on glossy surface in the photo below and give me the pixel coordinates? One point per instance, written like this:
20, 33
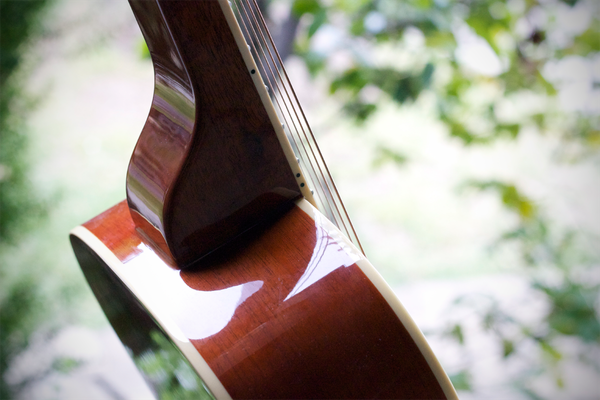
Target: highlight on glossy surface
208, 164
220, 151
390, 297
297, 317
169, 363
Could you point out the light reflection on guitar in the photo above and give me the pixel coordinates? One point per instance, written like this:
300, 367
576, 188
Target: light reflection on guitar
234, 245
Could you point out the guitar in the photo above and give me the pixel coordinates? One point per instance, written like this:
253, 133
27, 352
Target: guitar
232, 269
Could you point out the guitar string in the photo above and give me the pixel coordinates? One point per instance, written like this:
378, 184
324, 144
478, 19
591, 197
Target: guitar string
292, 128
327, 191
276, 88
341, 220
253, 48
328, 175
274, 84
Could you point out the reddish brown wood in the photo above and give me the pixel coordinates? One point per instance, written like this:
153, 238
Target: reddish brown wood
336, 339
115, 228
207, 168
208, 164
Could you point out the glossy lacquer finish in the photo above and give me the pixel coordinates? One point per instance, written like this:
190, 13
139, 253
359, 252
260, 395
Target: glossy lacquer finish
286, 313
208, 164
166, 370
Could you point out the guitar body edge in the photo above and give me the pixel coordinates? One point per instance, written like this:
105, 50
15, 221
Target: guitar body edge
293, 310
128, 296
386, 291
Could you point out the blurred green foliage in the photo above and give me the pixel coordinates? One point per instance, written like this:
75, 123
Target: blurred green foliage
524, 37
21, 308
522, 56
399, 86
559, 265
18, 207
169, 373
571, 314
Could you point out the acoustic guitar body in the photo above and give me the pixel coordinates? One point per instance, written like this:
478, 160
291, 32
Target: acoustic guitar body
291, 310
219, 274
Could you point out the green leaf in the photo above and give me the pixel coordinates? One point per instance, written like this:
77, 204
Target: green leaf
352, 7
508, 347
426, 75
512, 129
357, 27
423, 4
489, 320
401, 86
319, 19
547, 86
359, 111
301, 7
65, 365
585, 44
592, 138
484, 25
143, 50
385, 155
459, 131
572, 310
461, 380
353, 80
403, 89
550, 350
457, 333
441, 39
315, 62
511, 197
514, 200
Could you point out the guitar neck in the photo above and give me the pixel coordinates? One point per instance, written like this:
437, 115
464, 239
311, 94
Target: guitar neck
224, 124
295, 131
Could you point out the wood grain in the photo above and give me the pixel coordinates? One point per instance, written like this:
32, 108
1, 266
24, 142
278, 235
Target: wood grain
208, 165
338, 338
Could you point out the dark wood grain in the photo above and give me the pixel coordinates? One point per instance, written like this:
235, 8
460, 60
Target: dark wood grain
208, 165
115, 228
336, 339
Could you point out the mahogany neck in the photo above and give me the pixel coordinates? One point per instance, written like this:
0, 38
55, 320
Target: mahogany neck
208, 165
